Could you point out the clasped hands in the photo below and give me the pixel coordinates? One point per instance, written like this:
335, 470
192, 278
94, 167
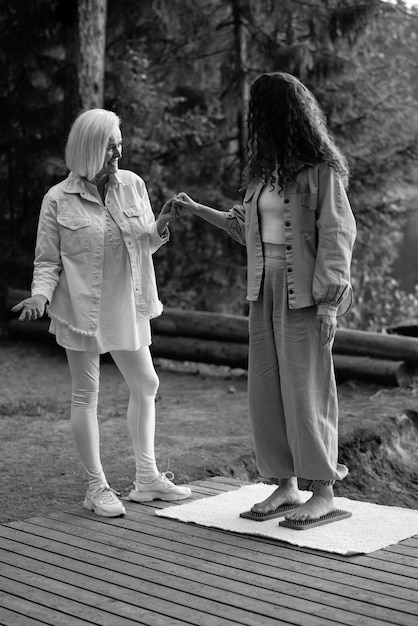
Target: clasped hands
177, 206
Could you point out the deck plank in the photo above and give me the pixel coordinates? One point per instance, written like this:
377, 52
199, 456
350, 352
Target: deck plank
128, 576
274, 591
278, 572
117, 602
76, 568
225, 542
151, 531
62, 598
11, 617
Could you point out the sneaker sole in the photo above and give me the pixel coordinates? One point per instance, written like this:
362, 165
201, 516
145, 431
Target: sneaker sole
91, 507
149, 497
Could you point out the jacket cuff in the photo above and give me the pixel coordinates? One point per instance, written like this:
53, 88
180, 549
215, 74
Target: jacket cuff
156, 239
326, 309
46, 292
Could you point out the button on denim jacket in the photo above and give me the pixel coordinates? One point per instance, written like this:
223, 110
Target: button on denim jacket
320, 232
68, 266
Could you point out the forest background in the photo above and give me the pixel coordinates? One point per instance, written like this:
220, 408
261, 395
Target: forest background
178, 74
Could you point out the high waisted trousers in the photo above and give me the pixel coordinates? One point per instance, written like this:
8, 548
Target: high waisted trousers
292, 392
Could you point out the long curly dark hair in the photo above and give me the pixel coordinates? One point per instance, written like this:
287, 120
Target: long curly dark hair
286, 126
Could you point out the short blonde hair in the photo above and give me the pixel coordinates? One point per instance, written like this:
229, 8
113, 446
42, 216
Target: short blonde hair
85, 151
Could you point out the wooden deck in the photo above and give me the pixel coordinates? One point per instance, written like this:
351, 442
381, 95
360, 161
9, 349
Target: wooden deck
75, 569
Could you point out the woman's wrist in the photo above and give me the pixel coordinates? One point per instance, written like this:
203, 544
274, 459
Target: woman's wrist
162, 223
197, 208
41, 296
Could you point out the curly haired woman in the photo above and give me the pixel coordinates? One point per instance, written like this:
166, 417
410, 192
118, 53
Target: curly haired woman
299, 231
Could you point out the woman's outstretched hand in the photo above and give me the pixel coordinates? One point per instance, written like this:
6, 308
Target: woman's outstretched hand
184, 204
167, 211
31, 308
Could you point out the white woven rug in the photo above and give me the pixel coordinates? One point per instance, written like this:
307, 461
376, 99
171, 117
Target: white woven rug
371, 527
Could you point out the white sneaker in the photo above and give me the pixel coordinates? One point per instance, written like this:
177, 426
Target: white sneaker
159, 489
104, 502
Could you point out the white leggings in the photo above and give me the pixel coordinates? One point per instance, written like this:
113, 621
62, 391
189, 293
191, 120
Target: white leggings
138, 371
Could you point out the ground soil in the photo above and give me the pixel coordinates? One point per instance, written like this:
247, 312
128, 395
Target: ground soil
202, 431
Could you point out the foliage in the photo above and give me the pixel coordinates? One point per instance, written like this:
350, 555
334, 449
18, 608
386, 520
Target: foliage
382, 145
177, 72
163, 137
33, 108
353, 57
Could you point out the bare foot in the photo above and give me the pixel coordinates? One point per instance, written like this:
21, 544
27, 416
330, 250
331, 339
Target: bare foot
287, 493
321, 503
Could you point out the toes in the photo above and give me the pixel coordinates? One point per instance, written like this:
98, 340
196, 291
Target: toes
262, 507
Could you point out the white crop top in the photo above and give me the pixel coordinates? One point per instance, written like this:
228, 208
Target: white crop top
271, 214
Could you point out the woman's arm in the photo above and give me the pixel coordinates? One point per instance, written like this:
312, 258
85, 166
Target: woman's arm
157, 228
183, 203
336, 230
47, 263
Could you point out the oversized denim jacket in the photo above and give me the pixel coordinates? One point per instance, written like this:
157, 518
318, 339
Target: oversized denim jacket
320, 232
68, 266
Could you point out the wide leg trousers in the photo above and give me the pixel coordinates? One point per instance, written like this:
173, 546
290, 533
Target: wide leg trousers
292, 392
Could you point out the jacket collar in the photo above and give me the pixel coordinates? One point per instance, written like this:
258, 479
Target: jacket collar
303, 162
76, 184
299, 165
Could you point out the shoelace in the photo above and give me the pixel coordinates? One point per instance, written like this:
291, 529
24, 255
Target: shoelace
107, 494
165, 477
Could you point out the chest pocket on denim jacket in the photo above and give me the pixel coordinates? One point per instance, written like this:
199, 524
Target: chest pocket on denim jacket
136, 220
309, 205
75, 233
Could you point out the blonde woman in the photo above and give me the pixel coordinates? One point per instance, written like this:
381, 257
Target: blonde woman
94, 273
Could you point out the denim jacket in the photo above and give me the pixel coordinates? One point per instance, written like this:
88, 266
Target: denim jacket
320, 231
68, 266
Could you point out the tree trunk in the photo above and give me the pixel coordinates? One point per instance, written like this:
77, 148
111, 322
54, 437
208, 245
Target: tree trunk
240, 38
71, 40
91, 58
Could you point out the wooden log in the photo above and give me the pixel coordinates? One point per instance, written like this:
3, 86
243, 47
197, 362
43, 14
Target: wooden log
234, 329
376, 345
379, 371
164, 346
202, 325
178, 323
200, 351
